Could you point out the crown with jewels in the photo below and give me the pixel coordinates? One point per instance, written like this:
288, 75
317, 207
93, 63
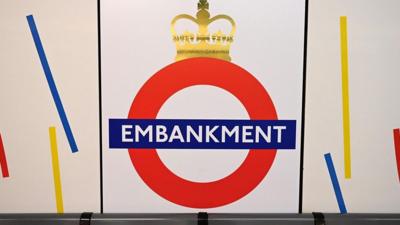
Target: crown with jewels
203, 44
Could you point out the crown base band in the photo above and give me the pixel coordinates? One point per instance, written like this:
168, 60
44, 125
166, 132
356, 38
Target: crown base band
187, 54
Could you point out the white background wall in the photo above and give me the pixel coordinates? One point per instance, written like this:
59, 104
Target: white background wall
374, 78
69, 33
68, 30
137, 42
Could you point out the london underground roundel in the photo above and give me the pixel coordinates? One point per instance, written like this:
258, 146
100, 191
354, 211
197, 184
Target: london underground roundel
185, 74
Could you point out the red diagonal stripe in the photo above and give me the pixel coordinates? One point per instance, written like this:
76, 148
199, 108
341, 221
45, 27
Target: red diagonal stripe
396, 136
3, 159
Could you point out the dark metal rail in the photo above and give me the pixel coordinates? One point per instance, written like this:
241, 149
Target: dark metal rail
200, 219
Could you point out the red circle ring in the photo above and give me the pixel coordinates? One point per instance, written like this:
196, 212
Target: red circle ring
202, 71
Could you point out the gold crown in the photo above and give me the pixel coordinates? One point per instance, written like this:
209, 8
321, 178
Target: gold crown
203, 44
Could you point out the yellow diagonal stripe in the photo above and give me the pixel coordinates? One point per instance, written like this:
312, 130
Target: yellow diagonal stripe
345, 96
56, 170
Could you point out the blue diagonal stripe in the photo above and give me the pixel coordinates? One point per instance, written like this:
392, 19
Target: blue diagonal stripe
335, 183
51, 83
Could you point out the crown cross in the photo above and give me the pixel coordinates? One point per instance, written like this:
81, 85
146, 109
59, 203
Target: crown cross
202, 43
203, 4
